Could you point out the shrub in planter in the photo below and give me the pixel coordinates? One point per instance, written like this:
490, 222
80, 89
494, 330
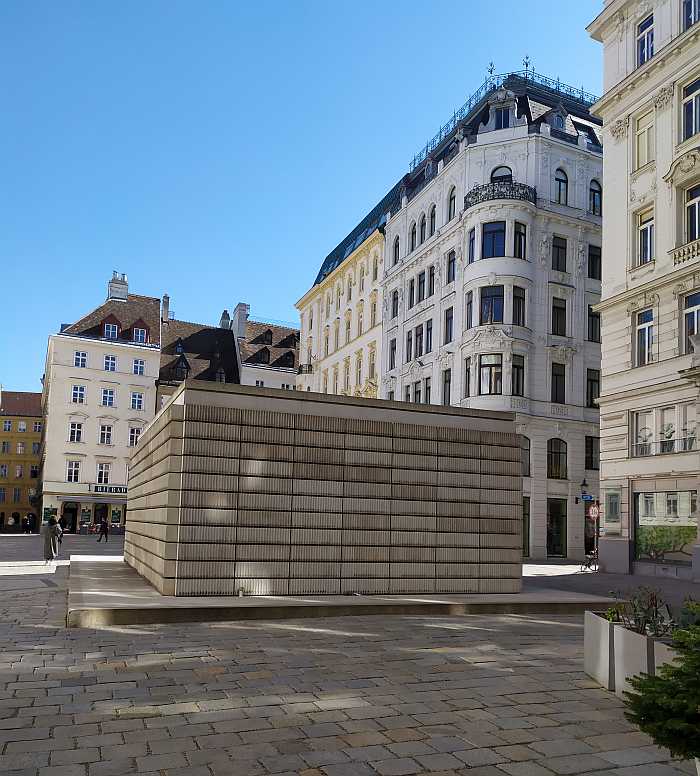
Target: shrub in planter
667, 706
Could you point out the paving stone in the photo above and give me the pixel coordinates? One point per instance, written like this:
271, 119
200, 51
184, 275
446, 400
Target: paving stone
560, 747
399, 767
524, 769
474, 757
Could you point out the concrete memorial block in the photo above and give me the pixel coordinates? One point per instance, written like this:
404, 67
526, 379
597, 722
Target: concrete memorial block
294, 494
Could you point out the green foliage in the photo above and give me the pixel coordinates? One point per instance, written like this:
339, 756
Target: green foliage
667, 706
654, 542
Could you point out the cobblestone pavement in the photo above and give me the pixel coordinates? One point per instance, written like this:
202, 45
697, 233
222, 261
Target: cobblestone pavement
351, 696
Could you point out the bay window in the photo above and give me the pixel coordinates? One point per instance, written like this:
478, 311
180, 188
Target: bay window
491, 305
493, 239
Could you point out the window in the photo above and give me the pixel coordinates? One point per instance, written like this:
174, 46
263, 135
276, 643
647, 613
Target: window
595, 269
517, 382
421, 286
644, 139
110, 364
645, 337
426, 384
592, 387
360, 325
75, 432
502, 175
691, 109
413, 237
80, 359
390, 396
407, 393
448, 325
645, 40
347, 330
373, 312
429, 336
558, 383
491, 374
394, 304
645, 227
471, 245
691, 13
493, 239
595, 199
518, 306
36, 446
409, 346
358, 371
7, 425
519, 240
375, 268
432, 220
139, 335
467, 377
525, 455
392, 354
692, 319
111, 330
559, 317
593, 325
593, 453
559, 253
692, 214
417, 392
20, 448
346, 376
451, 266
16, 495
326, 340
411, 292
179, 347
78, 394
37, 426
136, 400
397, 249
501, 118
2, 495
139, 366
34, 471
491, 305
446, 385
372, 364
108, 397
5, 448
3, 471
431, 281
452, 204
561, 187
22, 426
556, 459
469, 310
73, 471
259, 384
105, 435
422, 229
103, 473
349, 294
526, 526
419, 341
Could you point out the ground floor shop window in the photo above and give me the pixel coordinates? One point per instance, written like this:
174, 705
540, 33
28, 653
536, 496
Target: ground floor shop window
526, 526
556, 527
666, 526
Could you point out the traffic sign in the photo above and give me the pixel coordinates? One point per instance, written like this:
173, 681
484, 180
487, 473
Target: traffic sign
594, 512
586, 497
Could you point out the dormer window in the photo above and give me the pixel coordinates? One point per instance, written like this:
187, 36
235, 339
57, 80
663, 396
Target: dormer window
139, 335
267, 336
558, 121
179, 348
181, 369
111, 331
501, 118
264, 356
220, 375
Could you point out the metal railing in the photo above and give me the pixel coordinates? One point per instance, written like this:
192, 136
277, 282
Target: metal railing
500, 190
305, 369
491, 83
664, 447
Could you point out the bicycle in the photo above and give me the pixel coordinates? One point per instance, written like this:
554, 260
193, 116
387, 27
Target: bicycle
590, 562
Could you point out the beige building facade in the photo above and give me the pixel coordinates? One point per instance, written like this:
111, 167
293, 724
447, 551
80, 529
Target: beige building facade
650, 465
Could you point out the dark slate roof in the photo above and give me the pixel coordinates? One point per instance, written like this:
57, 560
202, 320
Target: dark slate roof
135, 309
205, 349
21, 403
270, 344
375, 219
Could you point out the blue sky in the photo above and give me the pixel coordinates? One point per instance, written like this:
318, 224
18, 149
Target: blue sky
217, 151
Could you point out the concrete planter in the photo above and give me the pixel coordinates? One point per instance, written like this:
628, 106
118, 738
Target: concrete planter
598, 645
633, 654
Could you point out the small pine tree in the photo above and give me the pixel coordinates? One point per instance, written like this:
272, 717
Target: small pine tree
667, 706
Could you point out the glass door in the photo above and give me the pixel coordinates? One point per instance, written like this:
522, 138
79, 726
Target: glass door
556, 527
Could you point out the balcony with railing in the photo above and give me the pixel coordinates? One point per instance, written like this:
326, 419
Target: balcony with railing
500, 190
305, 369
664, 447
686, 252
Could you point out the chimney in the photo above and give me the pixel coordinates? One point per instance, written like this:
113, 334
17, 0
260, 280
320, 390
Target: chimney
118, 287
165, 308
239, 319
225, 322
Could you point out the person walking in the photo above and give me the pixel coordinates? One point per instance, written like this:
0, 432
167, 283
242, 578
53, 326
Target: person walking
104, 530
52, 537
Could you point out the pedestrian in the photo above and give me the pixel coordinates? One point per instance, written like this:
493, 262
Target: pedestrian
104, 530
25, 524
52, 537
62, 522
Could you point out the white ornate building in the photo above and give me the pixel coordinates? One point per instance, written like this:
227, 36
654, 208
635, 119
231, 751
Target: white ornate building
492, 268
651, 291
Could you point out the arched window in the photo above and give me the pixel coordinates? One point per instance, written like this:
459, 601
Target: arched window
558, 121
556, 459
422, 230
432, 220
525, 455
595, 198
414, 233
394, 304
502, 175
561, 187
452, 204
397, 248
220, 375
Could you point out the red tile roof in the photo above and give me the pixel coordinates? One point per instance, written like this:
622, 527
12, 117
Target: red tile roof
136, 309
21, 403
281, 342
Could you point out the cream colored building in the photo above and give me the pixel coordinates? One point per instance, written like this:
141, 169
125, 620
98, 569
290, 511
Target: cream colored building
650, 466
99, 393
340, 341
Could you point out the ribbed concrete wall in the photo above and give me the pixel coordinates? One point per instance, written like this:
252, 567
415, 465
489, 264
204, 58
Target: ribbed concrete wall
236, 488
